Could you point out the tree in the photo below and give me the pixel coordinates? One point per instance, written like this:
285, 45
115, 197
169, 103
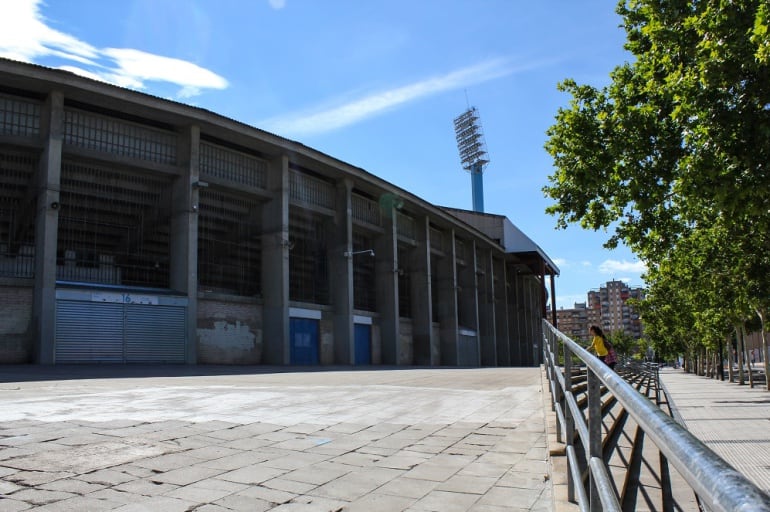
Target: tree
673, 158
684, 127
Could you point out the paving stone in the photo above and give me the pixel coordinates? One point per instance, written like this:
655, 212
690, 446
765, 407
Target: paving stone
294, 461
41, 496
267, 494
247, 443
35, 478
146, 487
12, 505
292, 486
165, 463
198, 494
508, 496
468, 484
212, 508
211, 452
237, 461
353, 486
78, 504
72, 485
523, 480
244, 503
157, 504
106, 477
376, 502
186, 475
315, 475
408, 487
405, 459
311, 504
443, 501
7, 487
251, 474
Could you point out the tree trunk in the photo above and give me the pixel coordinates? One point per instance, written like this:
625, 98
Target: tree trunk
747, 358
763, 357
730, 372
741, 374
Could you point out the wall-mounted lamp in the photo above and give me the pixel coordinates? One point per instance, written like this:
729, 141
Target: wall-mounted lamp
350, 254
200, 184
287, 243
399, 271
55, 205
195, 207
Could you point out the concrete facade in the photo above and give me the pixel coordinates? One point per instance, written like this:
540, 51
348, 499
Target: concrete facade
224, 244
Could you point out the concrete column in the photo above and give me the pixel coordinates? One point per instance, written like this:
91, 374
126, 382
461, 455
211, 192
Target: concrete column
486, 307
468, 305
386, 262
500, 285
447, 303
46, 227
275, 265
341, 267
422, 310
183, 261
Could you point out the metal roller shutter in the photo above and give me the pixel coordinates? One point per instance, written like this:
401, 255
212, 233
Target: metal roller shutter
89, 332
155, 334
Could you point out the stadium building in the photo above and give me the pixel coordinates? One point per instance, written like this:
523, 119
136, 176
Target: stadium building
134, 229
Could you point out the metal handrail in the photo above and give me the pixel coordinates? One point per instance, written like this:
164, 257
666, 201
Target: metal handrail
717, 484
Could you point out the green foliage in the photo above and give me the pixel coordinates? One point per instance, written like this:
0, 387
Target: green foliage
623, 342
673, 159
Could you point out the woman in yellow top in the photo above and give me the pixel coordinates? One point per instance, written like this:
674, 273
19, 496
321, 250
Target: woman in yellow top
597, 345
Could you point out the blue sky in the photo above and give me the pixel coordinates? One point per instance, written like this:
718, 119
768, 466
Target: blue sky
373, 83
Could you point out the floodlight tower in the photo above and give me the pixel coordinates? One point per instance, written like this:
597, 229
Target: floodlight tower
473, 152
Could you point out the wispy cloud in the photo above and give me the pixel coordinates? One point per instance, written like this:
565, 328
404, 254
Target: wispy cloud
316, 121
615, 266
277, 4
26, 36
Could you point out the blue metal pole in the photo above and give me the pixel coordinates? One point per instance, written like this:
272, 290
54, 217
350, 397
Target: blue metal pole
477, 187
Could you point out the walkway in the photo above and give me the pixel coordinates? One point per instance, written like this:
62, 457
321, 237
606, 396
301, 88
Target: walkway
219, 439
732, 420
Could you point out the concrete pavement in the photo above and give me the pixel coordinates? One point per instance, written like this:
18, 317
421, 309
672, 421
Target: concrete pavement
232, 438
732, 420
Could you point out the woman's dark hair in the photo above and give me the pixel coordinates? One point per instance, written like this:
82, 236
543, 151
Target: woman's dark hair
598, 330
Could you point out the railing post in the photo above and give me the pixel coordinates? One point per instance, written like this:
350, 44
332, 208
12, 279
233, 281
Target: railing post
594, 434
569, 421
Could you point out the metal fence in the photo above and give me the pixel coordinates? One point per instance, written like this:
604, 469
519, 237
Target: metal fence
593, 404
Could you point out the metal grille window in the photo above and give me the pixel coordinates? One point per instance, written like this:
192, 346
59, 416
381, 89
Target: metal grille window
404, 285
229, 244
308, 260
460, 251
434, 287
405, 226
366, 210
113, 227
117, 137
232, 166
307, 189
17, 214
436, 239
19, 117
364, 277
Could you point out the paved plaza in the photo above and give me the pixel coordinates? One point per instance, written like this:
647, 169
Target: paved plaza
253, 438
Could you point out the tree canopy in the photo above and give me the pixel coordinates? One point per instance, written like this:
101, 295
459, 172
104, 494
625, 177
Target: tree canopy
673, 156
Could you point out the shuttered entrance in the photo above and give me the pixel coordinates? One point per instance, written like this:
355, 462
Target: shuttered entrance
119, 327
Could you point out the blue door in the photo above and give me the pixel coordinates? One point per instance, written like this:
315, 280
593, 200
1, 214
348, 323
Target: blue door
304, 340
363, 338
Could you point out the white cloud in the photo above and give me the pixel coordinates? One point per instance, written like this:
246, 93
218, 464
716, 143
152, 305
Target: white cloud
315, 121
614, 266
277, 4
25, 36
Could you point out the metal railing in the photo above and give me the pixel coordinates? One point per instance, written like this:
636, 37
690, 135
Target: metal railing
590, 441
